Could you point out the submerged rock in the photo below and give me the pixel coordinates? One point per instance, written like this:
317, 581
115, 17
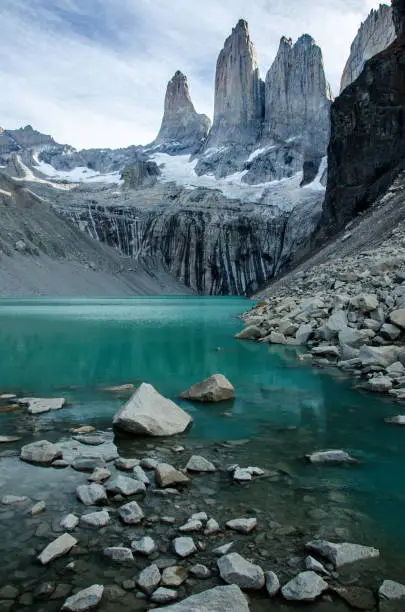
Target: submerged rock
396, 420
59, 547
272, 583
131, 513
234, 569
96, 519
149, 413
87, 599
307, 586
119, 554
223, 598
216, 388
391, 590
342, 554
330, 456
123, 485
92, 494
41, 453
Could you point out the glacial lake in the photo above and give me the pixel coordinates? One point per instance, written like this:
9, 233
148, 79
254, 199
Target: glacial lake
283, 410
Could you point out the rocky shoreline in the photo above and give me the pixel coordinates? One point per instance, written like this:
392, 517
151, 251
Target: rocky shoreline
349, 314
138, 523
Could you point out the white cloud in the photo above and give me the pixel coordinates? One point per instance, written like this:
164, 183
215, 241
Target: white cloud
95, 73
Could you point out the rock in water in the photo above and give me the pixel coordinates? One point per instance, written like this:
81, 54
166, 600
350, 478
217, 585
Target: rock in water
87, 599
57, 548
91, 495
216, 388
234, 569
376, 33
307, 586
330, 456
149, 579
168, 476
223, 598
200, 464
342, 554
391, 590
41, 453
149, 413
131, 513
182, 129
238, 108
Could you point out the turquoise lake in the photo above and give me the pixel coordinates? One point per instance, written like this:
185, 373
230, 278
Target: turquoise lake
74, 348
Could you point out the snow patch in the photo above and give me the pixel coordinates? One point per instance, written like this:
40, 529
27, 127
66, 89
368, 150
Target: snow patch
30, 176
258, 152
81, 174
316, 184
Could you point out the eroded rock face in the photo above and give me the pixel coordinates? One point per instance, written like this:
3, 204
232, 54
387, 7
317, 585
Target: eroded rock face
376, 33
367, 146
398, 9
239, 101
182, 129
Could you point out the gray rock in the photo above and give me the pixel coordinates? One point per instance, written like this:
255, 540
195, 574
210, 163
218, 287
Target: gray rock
330, 456
145, 546
91, 495
140, 475
222, 550
163, 595
391, 590
59, 547
216, 388
242, 475
199, 516
234, 569
7, 439
315, 566
126, 465
149, 413
168, 476
326, 351
8, 592
39, 405
38, 508
390, 332
122, 485
99, 475
149, 579
379, 384
223, 598
365, 302
119, 554
147, 463
199, 464
397, 317
131, 513
190, 526
87, 599
184, 547
307, 586
96, 519
88, 464
342, 554
251, 332
304, 333
200, 571
8, 500
353, 337
381, 356
89, 440
174, 576
272, 583
242, 525
41, 453
211, 527
69, 522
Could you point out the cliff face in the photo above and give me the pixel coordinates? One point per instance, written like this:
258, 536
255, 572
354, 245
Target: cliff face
398, 8
367, 147
376, 33
182, 127
238, 109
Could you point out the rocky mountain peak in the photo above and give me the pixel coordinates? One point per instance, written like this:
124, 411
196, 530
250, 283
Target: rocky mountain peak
376, 33
398, 8
238, 107
182, 127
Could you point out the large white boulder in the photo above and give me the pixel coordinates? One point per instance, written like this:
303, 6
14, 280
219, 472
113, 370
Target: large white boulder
234, 569
149, 413
216, 388
41, 452
223, 598
342, 554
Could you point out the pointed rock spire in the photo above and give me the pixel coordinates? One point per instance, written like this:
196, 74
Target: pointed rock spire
182, 127
238, 110
297, 96
376, 33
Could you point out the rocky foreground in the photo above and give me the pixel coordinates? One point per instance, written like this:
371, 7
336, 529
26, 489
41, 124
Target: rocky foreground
349, 313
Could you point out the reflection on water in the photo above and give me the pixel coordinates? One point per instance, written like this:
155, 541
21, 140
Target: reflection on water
287, 408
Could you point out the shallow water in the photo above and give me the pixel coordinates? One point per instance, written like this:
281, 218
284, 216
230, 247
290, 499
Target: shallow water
283, 409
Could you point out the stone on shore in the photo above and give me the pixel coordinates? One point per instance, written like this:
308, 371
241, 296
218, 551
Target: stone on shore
184, 547
199, 464
307, 586
216, 388
149, 413
252, 332
91, 495
221, 598
342, 554
87, 599
272, 583
222, 550
40, 405
379, 384
163, 595
119, 554
200, 571
38, 508
69, 522
89, 440
383, 356
242, 525
391, 590
211, 527
122, 485
145, 546
40, 453
234, 569
149, 579
397, 317
87, 464
315, 566
59, 547
96, 519
330, 456
131, 513
191, 525
126, 465
140, 475
168, 476
174, 576
99, 475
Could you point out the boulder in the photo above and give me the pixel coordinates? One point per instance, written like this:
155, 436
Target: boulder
223, 598
122, 485
69, 522
315, 566
119, 554
242, 525
234, 569
126, 465
200, 571
330, 456
40, 405
379, 384
167, 476
397, 317
140, 475
272, 583
391, 590
304, 333
252, 332
145, 546
358, 598
40, 453
353, 337
383, 356
87, 599
216, 388
222, 550
199, 464
307, 586
96, 519
190, 526
88, 464
149, 413
131, 514
390, 332
365, 302
326, 351
59, 547
91, 495
149, 579
174, 576
396, 420
287, 328
342, 554
184, 547
163, 595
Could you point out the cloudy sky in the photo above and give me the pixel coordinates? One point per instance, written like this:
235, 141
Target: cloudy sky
93, 73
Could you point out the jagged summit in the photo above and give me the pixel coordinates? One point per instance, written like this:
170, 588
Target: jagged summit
375, 34
182, 127
238, 108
